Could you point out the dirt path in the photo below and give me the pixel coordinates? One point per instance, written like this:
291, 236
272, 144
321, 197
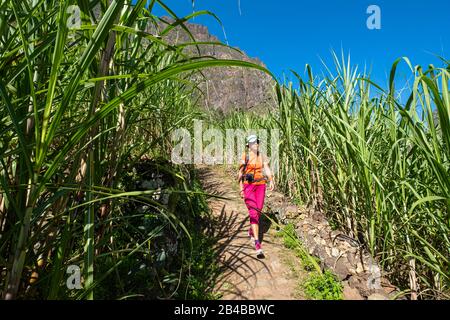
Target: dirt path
243, 275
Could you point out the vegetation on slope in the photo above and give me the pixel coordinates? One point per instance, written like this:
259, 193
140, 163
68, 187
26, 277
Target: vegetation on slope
79, 107
378, 167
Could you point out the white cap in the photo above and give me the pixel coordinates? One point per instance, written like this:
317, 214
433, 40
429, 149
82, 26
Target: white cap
252, 138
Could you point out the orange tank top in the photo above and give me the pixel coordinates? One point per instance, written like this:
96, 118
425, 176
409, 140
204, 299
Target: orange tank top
255, 166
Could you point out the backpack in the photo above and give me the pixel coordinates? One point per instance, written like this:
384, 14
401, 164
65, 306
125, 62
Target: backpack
247, 158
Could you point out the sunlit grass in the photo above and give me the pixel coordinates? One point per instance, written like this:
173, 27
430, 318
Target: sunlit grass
378, 168
78, 107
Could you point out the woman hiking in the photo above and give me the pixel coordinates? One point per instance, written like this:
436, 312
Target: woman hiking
254, 173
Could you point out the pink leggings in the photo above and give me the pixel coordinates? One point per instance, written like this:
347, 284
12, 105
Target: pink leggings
254, 199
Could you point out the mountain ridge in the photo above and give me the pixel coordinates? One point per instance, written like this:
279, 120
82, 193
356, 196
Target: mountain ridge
225, 88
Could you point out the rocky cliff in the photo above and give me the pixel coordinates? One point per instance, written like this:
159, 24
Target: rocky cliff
226, 88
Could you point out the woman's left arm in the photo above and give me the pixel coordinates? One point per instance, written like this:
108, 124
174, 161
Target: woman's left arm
269, 174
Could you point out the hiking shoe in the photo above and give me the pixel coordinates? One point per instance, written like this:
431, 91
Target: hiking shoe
260, 253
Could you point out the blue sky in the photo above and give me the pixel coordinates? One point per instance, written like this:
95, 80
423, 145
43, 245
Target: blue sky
292, 33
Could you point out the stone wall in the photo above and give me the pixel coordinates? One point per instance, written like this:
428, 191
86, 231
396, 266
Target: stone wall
360, 274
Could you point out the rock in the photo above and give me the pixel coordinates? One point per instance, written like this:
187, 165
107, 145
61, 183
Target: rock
343, 246
360, 283
367, 259
317, 240
334, 234
335, 252
341, 270
320, 252
387, 286
359, 267
355, 281
325, 233
377, 296
351, 259
317, 216
291, 211
351, 293
390, 290
328, 262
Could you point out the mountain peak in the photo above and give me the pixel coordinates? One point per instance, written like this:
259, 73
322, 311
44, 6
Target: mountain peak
225, 88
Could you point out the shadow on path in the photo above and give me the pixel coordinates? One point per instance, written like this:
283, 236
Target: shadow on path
241, 275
